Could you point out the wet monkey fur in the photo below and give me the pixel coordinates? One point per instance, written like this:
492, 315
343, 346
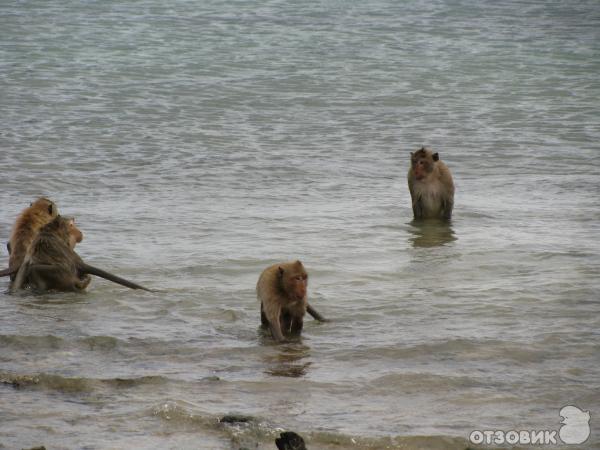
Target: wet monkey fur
52, 264
430, 185
281, 289
26, 227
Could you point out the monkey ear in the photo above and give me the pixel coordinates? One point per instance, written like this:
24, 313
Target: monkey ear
436, 156
280, 271
50, 209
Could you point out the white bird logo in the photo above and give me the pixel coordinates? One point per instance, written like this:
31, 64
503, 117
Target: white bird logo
576, 426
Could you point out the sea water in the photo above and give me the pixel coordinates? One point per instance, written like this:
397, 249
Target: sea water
197, 142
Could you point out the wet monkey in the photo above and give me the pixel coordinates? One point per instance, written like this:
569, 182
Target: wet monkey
25, 229
281, 289
49, 262
52, 264
430, 185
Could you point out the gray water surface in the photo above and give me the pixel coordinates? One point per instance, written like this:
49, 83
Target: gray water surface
197, 142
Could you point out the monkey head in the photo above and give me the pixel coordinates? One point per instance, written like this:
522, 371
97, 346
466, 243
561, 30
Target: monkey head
65, 228
75, 234
45, 204
294, 280
422, 162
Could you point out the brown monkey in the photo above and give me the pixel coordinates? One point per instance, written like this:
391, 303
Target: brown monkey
281, 289
430, 185
52, 264
24, 231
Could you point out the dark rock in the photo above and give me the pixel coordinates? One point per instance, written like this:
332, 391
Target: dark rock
289, 440
235, 419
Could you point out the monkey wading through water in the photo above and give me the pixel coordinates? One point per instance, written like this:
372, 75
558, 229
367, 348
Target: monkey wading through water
281, 289
26, 227
430, 185
52, 264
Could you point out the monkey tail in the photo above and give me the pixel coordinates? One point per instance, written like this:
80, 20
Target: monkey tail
313, 312
8, 272
85, 268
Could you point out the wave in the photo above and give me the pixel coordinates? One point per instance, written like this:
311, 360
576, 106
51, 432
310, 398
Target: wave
245, 431
46, 342
455, 349
420, 381
255, 432
60, 383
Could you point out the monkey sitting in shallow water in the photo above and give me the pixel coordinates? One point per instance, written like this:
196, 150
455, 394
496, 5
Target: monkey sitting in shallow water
281, 289
430, 185
25, 229
52, 264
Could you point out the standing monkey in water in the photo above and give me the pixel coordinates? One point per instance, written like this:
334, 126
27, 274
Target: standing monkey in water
430, 185
52, 264
26, 227
281, 289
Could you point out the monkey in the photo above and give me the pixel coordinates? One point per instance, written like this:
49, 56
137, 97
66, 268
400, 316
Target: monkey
281, 289
25, 229
430, 185
51, 263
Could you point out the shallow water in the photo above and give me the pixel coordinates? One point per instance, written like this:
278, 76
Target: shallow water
198, 142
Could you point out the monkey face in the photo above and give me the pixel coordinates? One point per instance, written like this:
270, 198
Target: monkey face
75, 235
299, 285
422, 163
421, 168
295, 281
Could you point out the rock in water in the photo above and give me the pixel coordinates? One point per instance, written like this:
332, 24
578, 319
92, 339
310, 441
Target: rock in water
289, 440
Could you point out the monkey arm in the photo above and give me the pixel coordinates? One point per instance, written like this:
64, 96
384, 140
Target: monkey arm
275, 326
313, 312
272, 311
417, 206
296, 325
263, 318
447, 206
21, 277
